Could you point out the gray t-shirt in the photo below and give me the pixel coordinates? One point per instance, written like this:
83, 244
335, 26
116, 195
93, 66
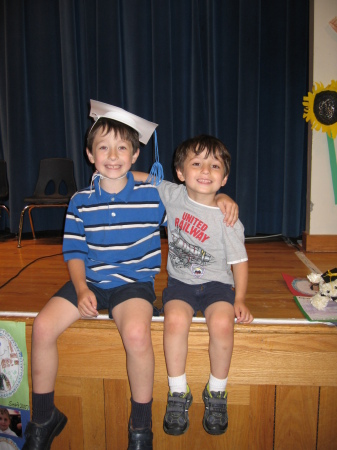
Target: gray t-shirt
201, 247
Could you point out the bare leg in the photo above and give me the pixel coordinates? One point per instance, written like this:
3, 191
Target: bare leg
133, 319
177, 320
57, 315
220, 322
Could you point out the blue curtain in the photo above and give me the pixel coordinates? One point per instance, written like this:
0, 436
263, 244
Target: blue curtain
236, 69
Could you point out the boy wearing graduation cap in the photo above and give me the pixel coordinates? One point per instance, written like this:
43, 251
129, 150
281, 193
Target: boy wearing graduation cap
112, 247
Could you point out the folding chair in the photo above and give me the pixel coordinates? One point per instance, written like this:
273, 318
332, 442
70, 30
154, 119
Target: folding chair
56, 175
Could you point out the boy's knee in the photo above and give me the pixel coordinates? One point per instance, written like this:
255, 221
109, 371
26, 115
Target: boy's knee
42, 331
175, 322
137, 335
221, 326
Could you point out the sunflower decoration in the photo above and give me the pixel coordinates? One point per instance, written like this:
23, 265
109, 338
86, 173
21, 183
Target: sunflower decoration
320, 108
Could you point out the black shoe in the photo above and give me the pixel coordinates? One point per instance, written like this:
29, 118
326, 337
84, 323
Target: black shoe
140, 439
40, 436
176, 420
215, 418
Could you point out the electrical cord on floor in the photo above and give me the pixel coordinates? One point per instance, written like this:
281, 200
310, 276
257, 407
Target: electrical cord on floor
263, 237
27, 265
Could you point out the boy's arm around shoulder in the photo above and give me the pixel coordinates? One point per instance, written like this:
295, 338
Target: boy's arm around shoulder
240, 272
140, 176
86, 299
148, 178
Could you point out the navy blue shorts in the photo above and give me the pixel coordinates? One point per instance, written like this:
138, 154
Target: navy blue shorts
109, 298
198, 296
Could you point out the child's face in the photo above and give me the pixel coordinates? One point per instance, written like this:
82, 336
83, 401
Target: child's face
112, 156
203, 176
4, 422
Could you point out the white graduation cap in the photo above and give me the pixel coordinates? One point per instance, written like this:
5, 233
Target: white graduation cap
144, 127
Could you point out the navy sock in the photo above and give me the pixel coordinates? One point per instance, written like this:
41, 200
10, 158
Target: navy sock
141, 415
42, 406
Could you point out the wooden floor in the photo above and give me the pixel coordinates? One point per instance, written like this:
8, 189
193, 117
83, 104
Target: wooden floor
44, 272
282, 382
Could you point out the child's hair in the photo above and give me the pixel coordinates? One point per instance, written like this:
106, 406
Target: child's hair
197, 145
4, 411
107, 125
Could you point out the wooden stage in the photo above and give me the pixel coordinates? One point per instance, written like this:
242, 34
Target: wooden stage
282, 382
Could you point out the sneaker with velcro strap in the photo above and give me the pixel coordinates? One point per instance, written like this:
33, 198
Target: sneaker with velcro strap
215, 417
176, 421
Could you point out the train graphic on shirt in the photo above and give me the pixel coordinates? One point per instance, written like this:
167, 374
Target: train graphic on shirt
185, 255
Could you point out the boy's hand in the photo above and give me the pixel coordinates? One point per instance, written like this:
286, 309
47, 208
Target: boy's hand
242, 313
229, 208
87, 304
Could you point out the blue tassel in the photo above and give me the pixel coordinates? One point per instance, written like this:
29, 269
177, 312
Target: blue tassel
156, 174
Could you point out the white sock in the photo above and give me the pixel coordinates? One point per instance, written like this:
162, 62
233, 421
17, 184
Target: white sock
178, 384
217, 385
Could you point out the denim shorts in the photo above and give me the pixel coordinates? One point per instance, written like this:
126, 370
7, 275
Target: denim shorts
198, 296
109, 298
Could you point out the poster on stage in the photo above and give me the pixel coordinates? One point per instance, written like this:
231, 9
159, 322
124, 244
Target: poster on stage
14, 389
329, 314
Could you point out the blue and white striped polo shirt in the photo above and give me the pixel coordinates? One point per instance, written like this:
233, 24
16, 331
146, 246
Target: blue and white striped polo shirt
116, 235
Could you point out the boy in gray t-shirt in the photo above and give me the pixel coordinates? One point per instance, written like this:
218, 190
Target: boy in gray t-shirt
202, 251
